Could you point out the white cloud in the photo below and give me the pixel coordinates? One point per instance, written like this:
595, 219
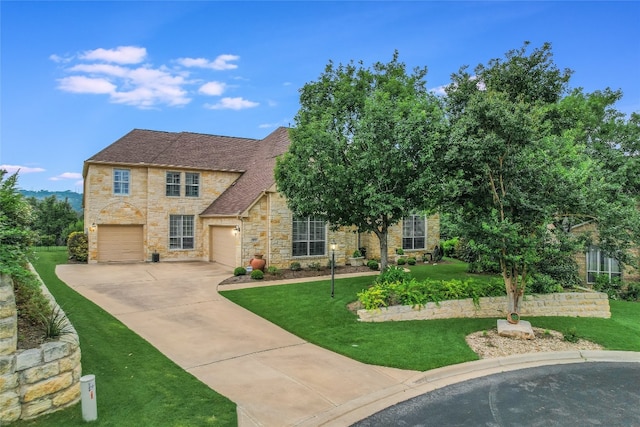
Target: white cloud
108, 69
113, 72
220, 63
60, 59
440, 90
119, 55
23, 169
82, 84
212, 88
67, 175
232, 104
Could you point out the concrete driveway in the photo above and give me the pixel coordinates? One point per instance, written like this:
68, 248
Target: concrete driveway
275, 378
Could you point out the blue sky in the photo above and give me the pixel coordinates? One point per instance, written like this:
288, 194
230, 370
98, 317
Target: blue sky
76, 76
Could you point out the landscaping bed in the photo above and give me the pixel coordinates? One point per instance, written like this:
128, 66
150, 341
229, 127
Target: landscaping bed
285, 274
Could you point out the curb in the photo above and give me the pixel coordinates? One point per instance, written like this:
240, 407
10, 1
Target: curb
424, 382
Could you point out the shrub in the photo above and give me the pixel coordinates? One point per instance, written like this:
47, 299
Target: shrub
29, 297
295, 266
402, 261
415, 293
572, 335
632, 292
613, 288
273, 270
239, 271
449, 247
357, 254
393, 274
257, 275
399, 251
78, 246
372, 264
411, 261
543, 284
314, 266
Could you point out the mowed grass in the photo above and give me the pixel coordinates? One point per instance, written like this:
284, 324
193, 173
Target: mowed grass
136, 385
308, 311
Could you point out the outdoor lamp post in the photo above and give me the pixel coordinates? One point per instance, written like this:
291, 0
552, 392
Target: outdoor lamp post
333, 266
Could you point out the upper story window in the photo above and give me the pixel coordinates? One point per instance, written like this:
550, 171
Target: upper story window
192, 184
121, 180
309, 237
173, 184
414, 232
181, 232
599, 263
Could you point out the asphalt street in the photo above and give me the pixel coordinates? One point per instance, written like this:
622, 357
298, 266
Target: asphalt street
581, 394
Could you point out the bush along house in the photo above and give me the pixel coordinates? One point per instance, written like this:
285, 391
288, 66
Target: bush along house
166, 196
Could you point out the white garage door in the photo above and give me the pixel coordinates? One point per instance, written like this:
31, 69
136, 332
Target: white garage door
222, 247
120, 243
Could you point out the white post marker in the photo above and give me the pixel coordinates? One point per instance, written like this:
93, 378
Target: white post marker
88, 397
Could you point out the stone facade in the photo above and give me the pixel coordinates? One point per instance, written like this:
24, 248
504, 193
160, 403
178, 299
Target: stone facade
571, 304
37, 381
265, 228
148, 205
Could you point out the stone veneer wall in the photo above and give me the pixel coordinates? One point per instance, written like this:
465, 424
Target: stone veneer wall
572, 304
149, 206
37, 381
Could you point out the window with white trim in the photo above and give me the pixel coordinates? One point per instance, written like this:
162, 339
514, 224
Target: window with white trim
414, 232
309, 237
121, 180
192, 184
599, 263
181, 232
173, 184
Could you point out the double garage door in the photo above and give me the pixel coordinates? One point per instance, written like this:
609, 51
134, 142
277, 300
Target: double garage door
120, 243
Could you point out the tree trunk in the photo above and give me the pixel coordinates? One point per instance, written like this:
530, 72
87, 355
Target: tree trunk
382, 233
383, 251
514, 284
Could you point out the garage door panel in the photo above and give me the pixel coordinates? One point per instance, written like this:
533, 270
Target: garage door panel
222, 247
120, 243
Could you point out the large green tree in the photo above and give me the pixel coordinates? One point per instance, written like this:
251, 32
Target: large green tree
15, 226
361, 147
516, 167
52, 219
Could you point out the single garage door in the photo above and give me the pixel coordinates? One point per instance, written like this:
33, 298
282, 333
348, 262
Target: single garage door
222, 247
120, 243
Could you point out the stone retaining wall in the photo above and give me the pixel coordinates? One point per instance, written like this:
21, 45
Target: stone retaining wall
573, 304
37, 381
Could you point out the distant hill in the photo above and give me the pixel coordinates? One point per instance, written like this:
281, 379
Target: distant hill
75, 199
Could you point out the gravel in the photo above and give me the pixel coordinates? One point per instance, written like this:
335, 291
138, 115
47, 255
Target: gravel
488, 344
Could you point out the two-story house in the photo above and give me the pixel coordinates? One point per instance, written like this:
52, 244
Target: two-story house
166, 196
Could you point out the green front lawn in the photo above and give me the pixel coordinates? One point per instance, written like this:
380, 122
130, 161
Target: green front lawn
307, 310
136, 384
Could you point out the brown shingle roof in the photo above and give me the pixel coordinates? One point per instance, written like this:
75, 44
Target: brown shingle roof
258, 177
255, 158
181, 149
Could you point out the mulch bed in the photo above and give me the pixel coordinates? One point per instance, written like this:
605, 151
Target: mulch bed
300, 274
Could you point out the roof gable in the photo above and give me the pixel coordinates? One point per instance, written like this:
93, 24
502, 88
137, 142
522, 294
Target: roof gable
257, 179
